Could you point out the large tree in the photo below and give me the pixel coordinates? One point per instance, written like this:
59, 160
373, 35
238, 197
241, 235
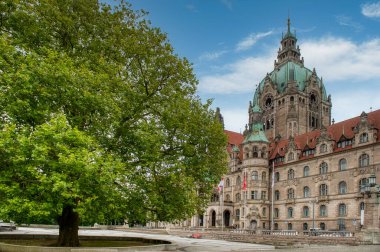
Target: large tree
116, 82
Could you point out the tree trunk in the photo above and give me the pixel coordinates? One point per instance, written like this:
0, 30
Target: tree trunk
68, 228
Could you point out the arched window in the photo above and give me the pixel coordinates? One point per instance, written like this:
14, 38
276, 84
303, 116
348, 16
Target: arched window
237, 214
255, 176
290, 226
275, 226
363, 138
276, 213
342, 187
291, 156
290, 212
277, 176
306, 192
342, 164
255, 152
264, 152
290, 193
305, 211
238, 197
322, 211
238, 180
363, 160
228, 183
323, 190
323, 148
306, 171
322, 226
342, 210
323, 168
264, 176
228, 197
277, 195
305, 227
291, 174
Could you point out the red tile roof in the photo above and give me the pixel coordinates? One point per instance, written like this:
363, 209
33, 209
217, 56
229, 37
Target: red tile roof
234, 138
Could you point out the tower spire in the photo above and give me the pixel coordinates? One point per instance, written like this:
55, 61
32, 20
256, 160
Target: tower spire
288, 23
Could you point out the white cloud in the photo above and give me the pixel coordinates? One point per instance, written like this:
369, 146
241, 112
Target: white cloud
371, 10
342, 59
211, 55
238, 77
252, 39
235, 119
347, 21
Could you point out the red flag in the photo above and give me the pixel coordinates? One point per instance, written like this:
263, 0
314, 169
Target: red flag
245, 183
221, 185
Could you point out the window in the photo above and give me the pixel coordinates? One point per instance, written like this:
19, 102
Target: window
306, 171
255, 176
342, 187
238, 197
306, 192
305, 211
290, 226
363, 160
238, 180
322, 211
254, 195
361, 205
323, 168
341, 225
214, 197
291, 156
342, 164
275, 226
277, 176
308, 152
322, 226
305, 227
276, 213
277, 195
264, 176
264, 212
228, 197
228, 182
323, 190
323, 148
363, 138
290, 212
263, 195
237, 214
290, 193
342, 210
291, 174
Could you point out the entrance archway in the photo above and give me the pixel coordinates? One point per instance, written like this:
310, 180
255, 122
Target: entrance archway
226, 218
213, 218
253, 224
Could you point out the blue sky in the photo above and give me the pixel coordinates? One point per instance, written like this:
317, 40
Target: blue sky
233, 44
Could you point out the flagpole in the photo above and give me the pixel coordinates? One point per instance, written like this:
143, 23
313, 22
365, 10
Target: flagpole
222, 207
271, 226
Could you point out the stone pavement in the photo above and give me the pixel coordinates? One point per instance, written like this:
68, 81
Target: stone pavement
195, 245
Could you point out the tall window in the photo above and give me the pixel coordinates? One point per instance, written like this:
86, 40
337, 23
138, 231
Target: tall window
342, 210
323, 148
264, 176
305, 211
237, 214
306, 171
290, 193
341, 224
227, 182
291, 174
363, 160
276, 213
323, 190
238, 180
322, 211
306, 192
238, 197
290, 212
264, 212
290, 226
263, 195
275, 226
363, 138
323, 168
255, 176
254, 195
228, 197
291, 156
277, 195
342, 187
342, 164
305, 227
322, 226
277, 176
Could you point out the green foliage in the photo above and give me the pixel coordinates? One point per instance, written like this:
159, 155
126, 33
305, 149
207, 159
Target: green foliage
98, 112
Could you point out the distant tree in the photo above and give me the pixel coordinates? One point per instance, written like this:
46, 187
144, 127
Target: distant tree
109, 79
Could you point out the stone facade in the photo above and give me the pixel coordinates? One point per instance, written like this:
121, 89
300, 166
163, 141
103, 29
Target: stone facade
317, 168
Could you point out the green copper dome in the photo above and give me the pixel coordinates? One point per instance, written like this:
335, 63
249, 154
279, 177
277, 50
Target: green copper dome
235, 149
256, 135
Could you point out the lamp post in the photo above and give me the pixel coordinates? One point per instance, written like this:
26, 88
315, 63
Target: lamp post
313, 202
